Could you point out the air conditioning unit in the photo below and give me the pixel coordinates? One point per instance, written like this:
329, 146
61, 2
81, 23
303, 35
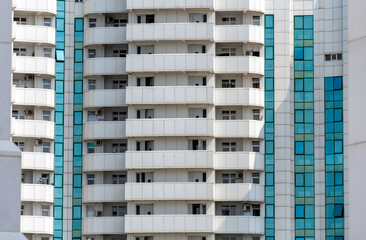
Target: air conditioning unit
247, 53
98, 143
239, 175
99, 213
28, 112
29, 77
110, 20
99, 112
247, 208
38, 142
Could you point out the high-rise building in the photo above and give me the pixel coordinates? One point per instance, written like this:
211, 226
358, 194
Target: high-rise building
182, 119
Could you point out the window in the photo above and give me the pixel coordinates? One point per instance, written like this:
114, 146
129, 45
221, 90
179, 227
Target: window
255, 83
119, 84
20, 145
47, 22
92, 22
46, 84
47, 52
333, 57
14, 114
256, 210
256, 114
45, 238
229, 238
119, 147
46, 115
229, 115
45, 210
19, 51
90, 148
257, 20
228, 210
118, 179
227, 52
78, 0
256, 178
338, 211
118, 211
22, 210
228, 20
228, 83
91, 116
119, 53
90, 179
256, 238
229, 178
92, 53
46, 147
119, 22
229, 146
119, 116
256, 146
20, 21
92, 84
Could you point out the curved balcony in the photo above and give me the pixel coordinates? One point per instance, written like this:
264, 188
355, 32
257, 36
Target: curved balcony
169, 191
239, 65
103, 225
104, 35
169, 159
239, 129
13, 62
239, 192
37, 193
239, 160
14, 29
170, 32
36, 225
170, 95
104, 130
105, 98
33, 129
169, 62
37, 6
104, 193
240, 5
239, 225
169, 223
104, 66
38, 161
167, 127
239, 33
104, 162
35, 34
239, 96
34, 97
169, 4
104, 6
35, 65
14, 5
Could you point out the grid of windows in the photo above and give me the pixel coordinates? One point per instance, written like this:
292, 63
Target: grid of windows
78, 129
59, 122
269, 127
304, 128
333, 95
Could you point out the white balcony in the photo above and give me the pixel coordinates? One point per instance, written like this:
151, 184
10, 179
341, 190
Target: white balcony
104, 130
35, 34
34, 97
239, 192
239, 33
239, 225
239, 129
37, 193
166, 127
35, 65
104, 193
169, 191
38, 161
14, 29
169, 4
170, 32
36, 225
104, 6
103, 225
239, 160
169, 159
38, 6
13, 62
33, 129
104, 162
169, 223
240, 5
105, 98
239, 96
104, 35
104, 66
14, 4
170, 95
170, 63
239, 65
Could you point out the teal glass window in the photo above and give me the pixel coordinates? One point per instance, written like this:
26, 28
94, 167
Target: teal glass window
338, 210
300, 211
299, 53
60, 56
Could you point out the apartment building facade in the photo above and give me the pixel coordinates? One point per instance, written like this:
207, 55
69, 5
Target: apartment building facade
181, 119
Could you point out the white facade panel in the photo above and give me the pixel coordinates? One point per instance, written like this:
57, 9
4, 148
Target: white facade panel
240, 5
35, 65
104, 162
103, 225
104, 98
239, 96
103, 193
169, 4
239, 65
37, 193
239, 128
36, 225
33, 129
35, 34
104, 6
239, 160
38, 6
34, 97
38, 161
104, 130
239, 192
239, 33
104, 35
104, 66
239, 225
